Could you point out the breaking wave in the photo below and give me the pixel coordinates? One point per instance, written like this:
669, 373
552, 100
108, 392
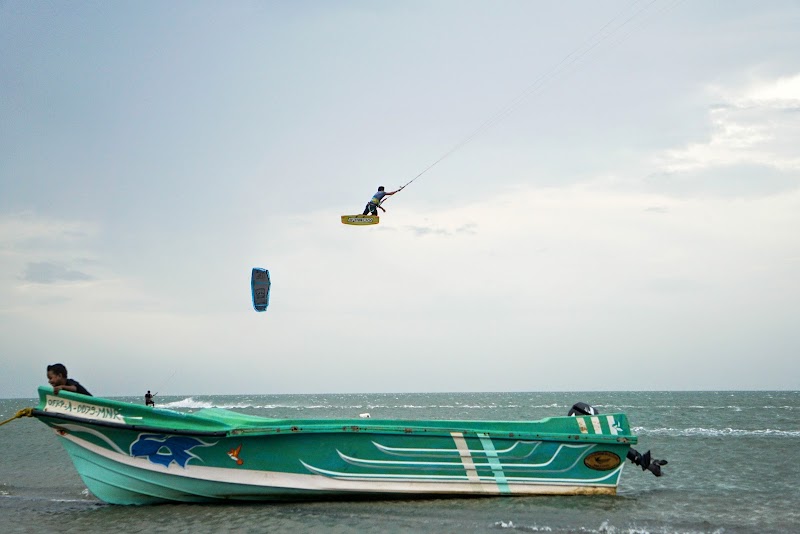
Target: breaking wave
603, 528
716, 432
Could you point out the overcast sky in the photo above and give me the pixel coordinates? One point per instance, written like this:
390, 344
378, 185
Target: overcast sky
621, 212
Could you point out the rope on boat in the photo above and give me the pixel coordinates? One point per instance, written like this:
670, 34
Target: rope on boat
25, 412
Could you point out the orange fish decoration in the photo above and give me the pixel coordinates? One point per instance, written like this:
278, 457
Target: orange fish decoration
234, 454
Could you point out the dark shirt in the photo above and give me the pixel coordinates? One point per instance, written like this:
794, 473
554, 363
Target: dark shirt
80, 389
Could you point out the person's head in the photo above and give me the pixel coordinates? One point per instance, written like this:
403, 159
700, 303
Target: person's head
380, 188
148, 392
57, 374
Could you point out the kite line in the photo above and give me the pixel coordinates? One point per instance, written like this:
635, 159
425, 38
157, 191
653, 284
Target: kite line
619, 21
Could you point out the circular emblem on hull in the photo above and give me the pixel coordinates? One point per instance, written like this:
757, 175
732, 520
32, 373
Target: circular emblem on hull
601, 460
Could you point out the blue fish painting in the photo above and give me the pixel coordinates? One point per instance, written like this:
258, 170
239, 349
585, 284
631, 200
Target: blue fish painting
164, 450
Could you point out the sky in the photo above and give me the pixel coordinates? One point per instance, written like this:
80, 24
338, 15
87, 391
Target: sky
609, 197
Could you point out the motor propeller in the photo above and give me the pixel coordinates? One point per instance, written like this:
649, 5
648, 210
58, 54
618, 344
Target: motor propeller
646, 462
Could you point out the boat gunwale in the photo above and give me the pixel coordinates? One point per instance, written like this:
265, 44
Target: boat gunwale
341, 428
316, 426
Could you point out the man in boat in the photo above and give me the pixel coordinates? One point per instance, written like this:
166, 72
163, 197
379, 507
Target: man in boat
375, 202
57, 377
148, 398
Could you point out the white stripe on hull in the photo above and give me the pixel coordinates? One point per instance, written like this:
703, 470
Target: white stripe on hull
466, 457
596, 425
582, 425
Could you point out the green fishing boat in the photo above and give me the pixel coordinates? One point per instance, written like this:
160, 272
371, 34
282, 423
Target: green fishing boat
132, 454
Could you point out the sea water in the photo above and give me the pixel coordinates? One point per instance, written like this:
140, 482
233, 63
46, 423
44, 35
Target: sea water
734, 467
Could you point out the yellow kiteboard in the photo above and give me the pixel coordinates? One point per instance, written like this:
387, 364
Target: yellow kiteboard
360, 220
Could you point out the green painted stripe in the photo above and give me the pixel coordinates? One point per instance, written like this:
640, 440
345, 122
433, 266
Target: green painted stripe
494, 461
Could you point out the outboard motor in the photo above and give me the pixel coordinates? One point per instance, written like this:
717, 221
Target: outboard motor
581, 408
645, 461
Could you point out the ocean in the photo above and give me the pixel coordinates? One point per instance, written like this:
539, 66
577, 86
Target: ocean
734, 467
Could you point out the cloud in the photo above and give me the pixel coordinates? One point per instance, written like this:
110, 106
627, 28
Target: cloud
782, 93
44, 250
57, 262
27, 230
657, 209
469, 228
48, 273
751, 149
728, 181
422, 231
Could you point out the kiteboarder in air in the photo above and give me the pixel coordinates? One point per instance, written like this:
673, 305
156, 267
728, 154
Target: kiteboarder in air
375, 202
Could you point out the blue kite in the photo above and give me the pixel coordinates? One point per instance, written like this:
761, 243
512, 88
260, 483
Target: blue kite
259, 285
